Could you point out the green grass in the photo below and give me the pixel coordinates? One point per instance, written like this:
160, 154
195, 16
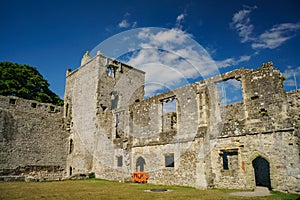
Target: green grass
102, 189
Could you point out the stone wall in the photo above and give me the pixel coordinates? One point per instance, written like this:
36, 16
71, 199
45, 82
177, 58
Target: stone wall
201, 143
95, 96
32, 139
107, 127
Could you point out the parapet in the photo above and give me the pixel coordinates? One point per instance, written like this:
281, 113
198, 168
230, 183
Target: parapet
13, 103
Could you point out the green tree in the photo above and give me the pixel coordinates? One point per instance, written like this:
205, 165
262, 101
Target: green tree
26, 82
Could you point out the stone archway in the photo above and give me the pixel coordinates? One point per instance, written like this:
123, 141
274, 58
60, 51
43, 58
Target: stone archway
140, 164
262, 172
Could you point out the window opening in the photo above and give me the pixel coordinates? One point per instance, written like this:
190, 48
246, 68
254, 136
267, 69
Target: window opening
140, 164
230, 159
169, 114
52, 108
169, 160
71, 146
103, 107
230, 91
70, 171
119, 161
12, 101
67, 109
114, 100
110, 70
117, 126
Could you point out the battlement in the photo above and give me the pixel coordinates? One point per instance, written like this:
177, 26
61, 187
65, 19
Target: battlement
30, 106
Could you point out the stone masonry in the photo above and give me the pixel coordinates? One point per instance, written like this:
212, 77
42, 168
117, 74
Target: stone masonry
108, 128
33, 141
114, 131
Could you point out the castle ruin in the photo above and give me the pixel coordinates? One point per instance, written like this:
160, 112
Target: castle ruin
107, 127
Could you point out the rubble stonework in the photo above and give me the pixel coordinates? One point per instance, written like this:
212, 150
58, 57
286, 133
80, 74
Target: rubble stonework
33, 141
115, 131
112, 131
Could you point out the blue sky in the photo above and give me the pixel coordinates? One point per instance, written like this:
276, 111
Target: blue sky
53, 35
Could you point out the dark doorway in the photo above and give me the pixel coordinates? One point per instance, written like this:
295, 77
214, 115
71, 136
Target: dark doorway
262, 172
140, 164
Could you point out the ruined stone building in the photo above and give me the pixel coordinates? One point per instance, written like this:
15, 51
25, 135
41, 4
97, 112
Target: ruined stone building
107, 127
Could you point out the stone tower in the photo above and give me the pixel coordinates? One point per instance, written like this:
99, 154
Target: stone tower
95, 96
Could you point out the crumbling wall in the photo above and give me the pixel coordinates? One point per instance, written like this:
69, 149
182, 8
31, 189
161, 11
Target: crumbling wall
279, 148
210, 145
33, 140
264, 122
97, 93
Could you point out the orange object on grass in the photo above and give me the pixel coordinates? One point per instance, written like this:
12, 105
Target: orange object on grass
140, 177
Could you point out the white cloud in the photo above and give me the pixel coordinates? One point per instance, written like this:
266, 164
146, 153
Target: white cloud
276, 36
270, 39
170, 57
124, 24
134, 24
232, 61
179, 20
241, 23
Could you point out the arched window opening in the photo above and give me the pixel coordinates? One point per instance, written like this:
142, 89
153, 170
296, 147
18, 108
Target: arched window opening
140, 164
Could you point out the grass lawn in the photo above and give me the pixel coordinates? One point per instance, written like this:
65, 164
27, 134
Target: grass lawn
102, 189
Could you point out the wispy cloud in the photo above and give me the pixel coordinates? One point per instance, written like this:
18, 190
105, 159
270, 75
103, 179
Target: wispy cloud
241, 23
276, 36
232, 61
179, 20
125, 23
269, 39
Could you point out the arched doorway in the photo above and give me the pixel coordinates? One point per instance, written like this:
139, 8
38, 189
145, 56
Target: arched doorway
140, 164
262, 172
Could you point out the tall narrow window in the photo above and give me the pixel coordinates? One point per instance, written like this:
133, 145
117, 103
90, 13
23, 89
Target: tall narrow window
169, 160
67, 110
70, 172
169, 114
71, 146
119, 161
140, 164
114, 100
110, 71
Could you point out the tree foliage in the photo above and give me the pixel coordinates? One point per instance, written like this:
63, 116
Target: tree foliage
26, 82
